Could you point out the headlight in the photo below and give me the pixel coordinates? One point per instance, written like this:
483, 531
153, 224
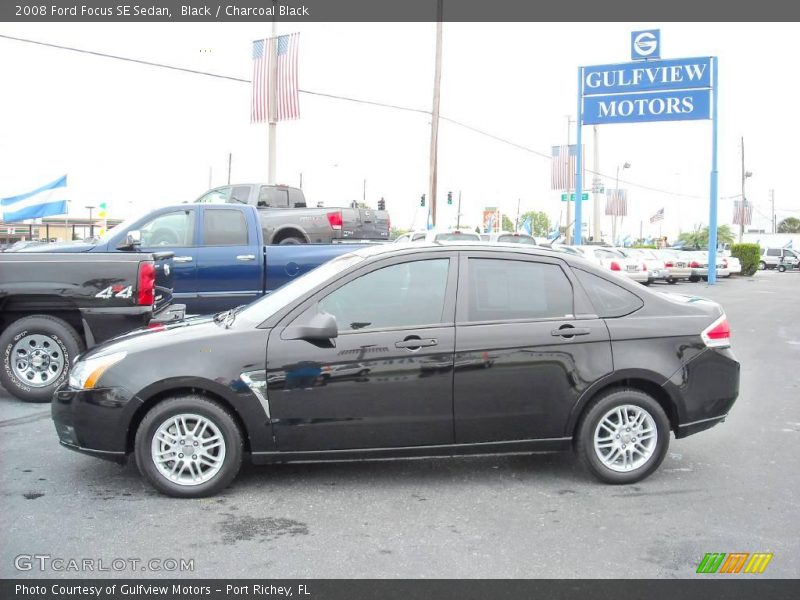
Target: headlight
86, 373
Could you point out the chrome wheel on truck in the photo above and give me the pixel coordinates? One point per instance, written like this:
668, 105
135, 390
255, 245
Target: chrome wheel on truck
37, 360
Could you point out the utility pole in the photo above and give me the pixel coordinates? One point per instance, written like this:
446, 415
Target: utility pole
772, 201
743, 207
596, 232
230, 159
458, 216
364, 193
437, 79
569, 174
516, 222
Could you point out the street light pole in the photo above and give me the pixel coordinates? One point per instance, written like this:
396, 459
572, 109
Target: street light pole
91, 225
617, 203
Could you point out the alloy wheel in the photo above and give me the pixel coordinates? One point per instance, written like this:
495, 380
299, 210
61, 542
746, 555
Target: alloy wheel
625, 438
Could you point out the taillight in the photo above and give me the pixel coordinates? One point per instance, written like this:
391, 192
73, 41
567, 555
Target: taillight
669, 264
644, 266
147, 283
718, 334
694, 264
615, 266
335, 219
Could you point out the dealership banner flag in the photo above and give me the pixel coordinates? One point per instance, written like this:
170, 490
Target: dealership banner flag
45, 201
617, 203
276, 55
659, 216
562, 168
742, 212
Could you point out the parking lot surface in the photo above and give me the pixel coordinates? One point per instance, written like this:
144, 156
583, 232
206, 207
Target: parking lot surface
734, 488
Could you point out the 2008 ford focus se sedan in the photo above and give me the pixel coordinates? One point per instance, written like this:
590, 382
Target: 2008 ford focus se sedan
401, 350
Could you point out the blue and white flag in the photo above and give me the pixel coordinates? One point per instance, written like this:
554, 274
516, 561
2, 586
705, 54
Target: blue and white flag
556, 232
46, 201
526, 226
790, 245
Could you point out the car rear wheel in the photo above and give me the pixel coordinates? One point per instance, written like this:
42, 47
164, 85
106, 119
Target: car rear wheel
781, 268
762, 265
290, 241
672, 281
623, 436
37, 352
189, 447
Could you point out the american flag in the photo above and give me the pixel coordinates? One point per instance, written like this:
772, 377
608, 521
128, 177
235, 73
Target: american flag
283, 49
742, 212
659, 216
562, 170
617, 203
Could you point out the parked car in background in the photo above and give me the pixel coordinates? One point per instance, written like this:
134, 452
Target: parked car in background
221, 259
611, 259
506, 237
676, 263
286, 219
698, 262
731, 264
656, 268
452, 235
772, 257
53, 306
556, 354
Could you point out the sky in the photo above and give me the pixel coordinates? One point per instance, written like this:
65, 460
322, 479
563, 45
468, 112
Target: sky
138, 137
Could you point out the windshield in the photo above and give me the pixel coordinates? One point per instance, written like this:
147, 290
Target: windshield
260, 310
122, 226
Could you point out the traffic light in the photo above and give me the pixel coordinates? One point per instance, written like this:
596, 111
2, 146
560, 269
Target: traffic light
449, 198
422, 200
101, 214
381, 204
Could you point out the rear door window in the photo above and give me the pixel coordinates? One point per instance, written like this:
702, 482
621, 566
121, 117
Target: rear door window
273, 197
224, 227
506, 290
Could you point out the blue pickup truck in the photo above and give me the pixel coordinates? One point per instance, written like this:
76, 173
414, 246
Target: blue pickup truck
220, 260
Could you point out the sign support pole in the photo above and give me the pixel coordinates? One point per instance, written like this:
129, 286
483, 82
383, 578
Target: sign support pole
578, 235
712, 218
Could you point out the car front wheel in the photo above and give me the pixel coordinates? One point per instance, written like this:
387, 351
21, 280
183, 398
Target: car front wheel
762, 265
189, 447
623, 436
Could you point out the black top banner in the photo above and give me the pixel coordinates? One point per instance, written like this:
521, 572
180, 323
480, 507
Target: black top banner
395, 10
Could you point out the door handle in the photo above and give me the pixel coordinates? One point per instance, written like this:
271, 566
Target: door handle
182, 259
246, 257
569, 331
416, 343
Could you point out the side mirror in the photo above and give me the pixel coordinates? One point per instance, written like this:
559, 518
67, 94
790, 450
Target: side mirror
131, 241
321, 328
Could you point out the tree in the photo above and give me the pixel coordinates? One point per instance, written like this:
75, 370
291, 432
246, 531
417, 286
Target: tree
698, 238
540, 222
508, 224
789, 225
397, 232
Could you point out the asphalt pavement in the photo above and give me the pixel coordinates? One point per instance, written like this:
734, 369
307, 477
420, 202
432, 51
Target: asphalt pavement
734, 488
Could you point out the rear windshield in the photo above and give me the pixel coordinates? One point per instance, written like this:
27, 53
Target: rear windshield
517, 239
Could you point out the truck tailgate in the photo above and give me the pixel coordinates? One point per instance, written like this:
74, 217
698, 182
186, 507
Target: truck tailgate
164, 279
365, 224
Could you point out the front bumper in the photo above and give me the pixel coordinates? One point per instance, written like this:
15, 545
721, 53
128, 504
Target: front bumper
94, 421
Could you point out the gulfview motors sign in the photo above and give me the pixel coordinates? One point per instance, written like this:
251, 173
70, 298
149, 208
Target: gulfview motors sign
656, 90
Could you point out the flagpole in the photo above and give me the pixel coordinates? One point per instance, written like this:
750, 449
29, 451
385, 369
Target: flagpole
569, 175
272, 48
437, 79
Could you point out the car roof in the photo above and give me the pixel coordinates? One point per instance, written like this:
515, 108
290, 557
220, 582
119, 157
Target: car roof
420, 247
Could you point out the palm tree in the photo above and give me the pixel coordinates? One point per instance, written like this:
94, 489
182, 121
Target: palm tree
789, 225
698, 238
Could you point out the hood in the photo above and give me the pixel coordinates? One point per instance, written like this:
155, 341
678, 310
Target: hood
195, 328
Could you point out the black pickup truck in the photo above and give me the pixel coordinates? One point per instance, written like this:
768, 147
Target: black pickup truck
53, 306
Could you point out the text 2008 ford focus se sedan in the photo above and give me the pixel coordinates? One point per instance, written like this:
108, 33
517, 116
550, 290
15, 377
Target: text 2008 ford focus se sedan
409, 350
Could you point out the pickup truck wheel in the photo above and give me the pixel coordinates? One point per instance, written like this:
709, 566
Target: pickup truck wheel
290, 240
37, 352
188, 447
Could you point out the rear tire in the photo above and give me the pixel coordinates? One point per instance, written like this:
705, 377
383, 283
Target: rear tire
762, 266
672, 281
694, 278
606, 441
290, 241
36, 354
781, 268
176, 427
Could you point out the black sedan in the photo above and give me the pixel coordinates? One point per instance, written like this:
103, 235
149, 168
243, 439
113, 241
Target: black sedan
423, 350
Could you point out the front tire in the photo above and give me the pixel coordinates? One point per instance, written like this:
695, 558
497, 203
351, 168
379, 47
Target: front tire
37, 352
623, 436
781, 268
694, 278
189, 447
762, 266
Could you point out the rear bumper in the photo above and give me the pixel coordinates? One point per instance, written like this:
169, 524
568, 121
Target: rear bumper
679, 272
640, 276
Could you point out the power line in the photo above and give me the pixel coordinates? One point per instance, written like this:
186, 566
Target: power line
348, 99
